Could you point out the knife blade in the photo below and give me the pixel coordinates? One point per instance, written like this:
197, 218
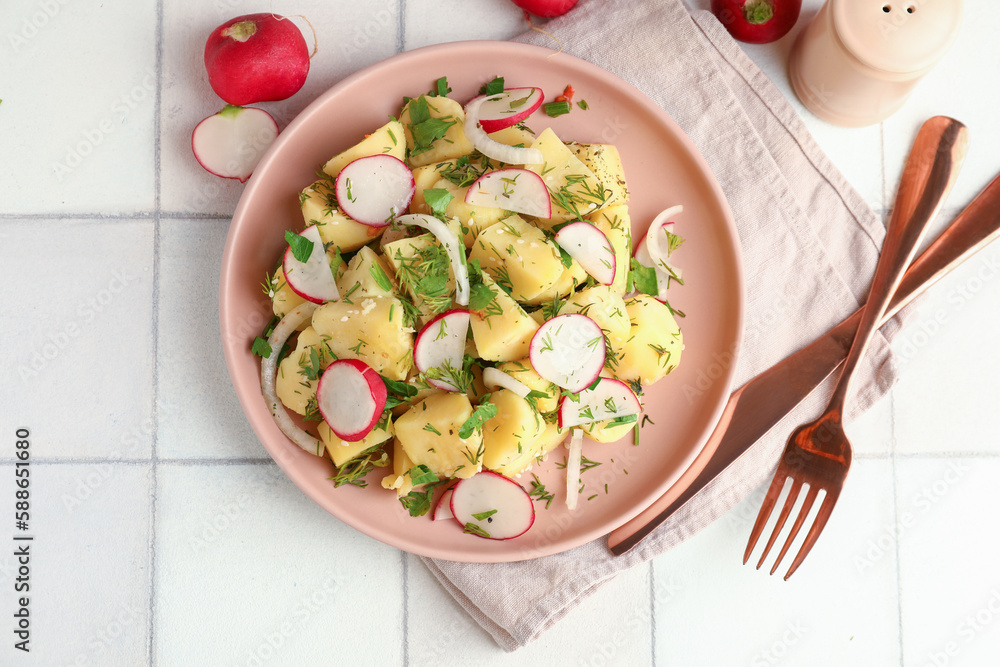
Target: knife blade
754, 408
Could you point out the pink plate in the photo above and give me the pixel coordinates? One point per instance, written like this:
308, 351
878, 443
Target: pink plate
663, 168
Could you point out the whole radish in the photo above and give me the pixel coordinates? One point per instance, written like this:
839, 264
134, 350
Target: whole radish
546, 8
757, 21
256, 58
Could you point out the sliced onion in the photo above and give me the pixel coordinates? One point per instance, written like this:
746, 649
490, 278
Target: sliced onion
452, 245
268, 370
574, 459
653, 247
494, 377
492, 148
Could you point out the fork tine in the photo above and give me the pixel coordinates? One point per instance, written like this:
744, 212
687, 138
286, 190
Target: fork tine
799, 520
773, 491
793, 494
825, 509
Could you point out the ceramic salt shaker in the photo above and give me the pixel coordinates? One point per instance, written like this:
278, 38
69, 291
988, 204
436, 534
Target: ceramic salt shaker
857, 61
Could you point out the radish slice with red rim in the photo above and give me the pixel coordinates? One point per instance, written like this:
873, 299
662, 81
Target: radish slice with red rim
440, 346
511, 189
313, 278
509, 108
442, 510
490, 147
608, 399
492, 506
351, 397
452, 245
231, 143
568, 351
375, 189
495, 378
651, 253
574, 459
589, 246
288, 325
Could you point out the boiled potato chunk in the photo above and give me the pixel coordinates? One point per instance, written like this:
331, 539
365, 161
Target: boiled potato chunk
551, 437
283, 298
370, 330
571, 277
452, 144
292, 383
608, 431
407, 259
512, 432
601, 304
606, 163
654, 348
388, 139
504, 332
319, 207
614, 221
515, 135
523, 371
367, 274
517, 255
399, 479
342, 451
575, 190
428, 434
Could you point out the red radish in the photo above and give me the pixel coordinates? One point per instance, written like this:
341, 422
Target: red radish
231, 143
256, 58
574, 459
375, 189
312, 279
492, 506
757, 21
609, 399
489, 146
651, 253
351, 397
546, 8
451, 244
589, 246
509, 108
441, 343
442, 510
495, 378
512, 189
568, 351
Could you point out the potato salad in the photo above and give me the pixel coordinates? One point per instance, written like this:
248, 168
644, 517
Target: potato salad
464, 296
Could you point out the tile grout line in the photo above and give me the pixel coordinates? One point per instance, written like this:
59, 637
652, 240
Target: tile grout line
135, 215
157, 202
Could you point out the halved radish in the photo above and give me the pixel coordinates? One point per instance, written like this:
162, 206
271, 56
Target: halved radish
574, 460
351, 397
509, 108
608, 399
568, 351
494, 378
231, 143
312, 279
649, 251
442, 510
452, 245
490, 147
512, 189
589, 246
492, 506
441, 343
375, 189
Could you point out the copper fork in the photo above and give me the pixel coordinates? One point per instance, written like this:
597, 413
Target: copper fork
818, 454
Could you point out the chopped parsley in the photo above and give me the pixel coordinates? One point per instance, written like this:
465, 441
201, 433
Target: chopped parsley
483, 413
301, 246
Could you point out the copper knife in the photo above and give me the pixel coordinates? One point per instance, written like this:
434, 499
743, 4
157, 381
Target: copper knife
754, 408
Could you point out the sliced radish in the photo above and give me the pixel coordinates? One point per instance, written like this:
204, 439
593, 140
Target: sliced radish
574, 459
608, 399
231, 143
509, 108
288, 325
312, 279
512, 189
650, 252
441, 343
568, 351
490, 147
351, 397
442, 510
492, 506
375, 189
452, 245
494, 378
589, 246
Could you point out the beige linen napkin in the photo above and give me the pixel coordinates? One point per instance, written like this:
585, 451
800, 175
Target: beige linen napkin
809, 243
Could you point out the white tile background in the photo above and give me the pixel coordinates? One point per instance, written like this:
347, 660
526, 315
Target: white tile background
163, 530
